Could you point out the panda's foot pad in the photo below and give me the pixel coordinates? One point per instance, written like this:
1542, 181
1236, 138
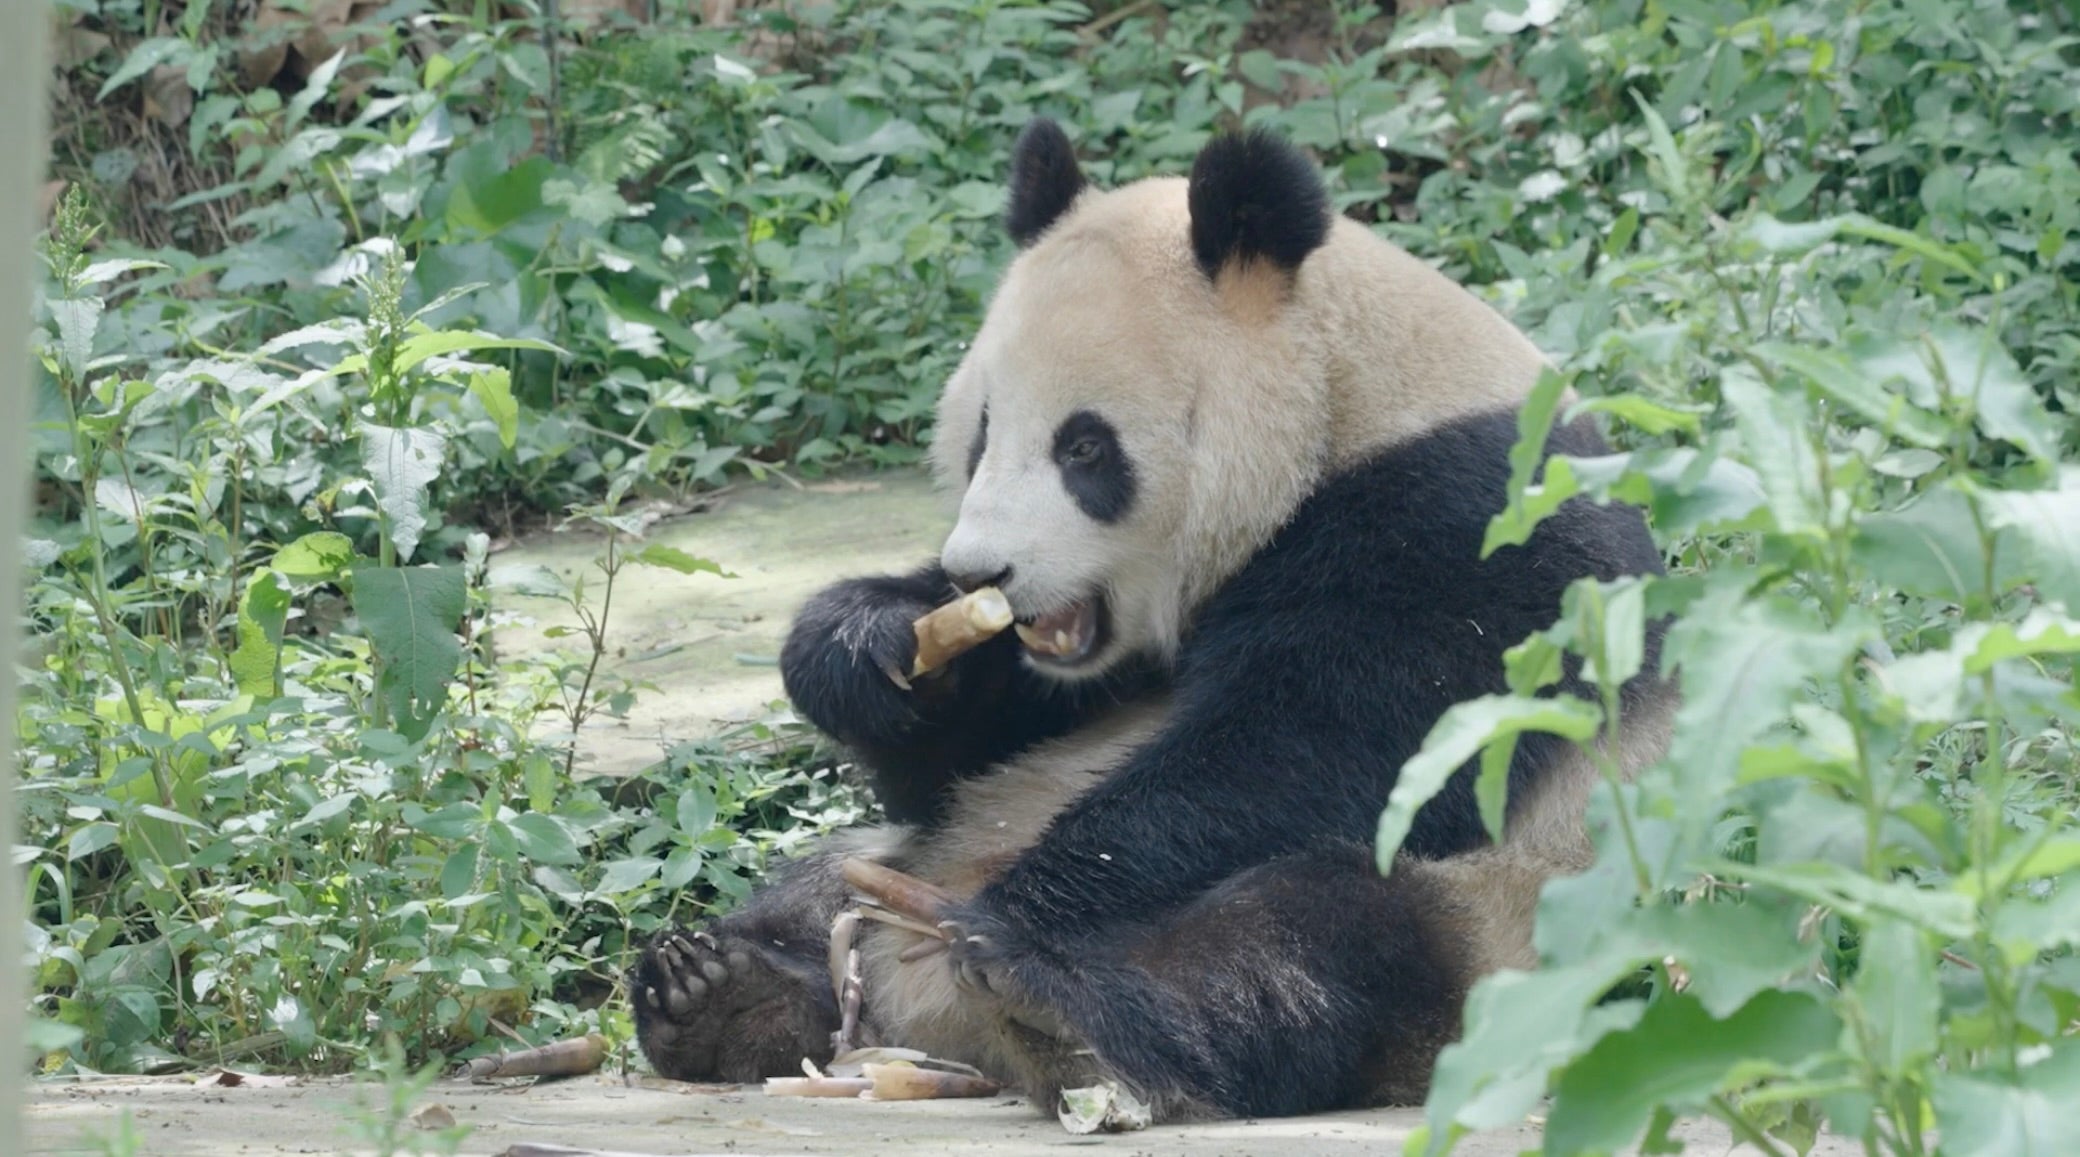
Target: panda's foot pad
723, 1008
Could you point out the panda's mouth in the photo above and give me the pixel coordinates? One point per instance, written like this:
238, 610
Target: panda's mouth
1066, 637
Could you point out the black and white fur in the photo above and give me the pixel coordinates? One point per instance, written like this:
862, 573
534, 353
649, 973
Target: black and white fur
1249, 449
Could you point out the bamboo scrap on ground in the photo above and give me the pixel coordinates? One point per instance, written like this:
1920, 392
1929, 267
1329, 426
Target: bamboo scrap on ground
564, 1058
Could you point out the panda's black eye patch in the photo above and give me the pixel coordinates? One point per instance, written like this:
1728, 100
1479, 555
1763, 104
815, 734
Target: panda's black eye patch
1094, 467
981, 442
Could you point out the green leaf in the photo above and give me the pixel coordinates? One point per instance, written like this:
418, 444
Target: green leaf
402, 462
1649, 416
1459, 734
1743, 666
2029, 1114
1775, 434
148, 55
1789, 238
263, 610
459, 872
1853, 894
1895, 995
1843, 382
1662, 146
1933, 548
90, 839
544, 839
1519, 1027
321, 556
419, 347
672, 558
1679, 1055
626, 875
78, 319
494, 389
1731, 950
2047, 525
1529, 503
410, 614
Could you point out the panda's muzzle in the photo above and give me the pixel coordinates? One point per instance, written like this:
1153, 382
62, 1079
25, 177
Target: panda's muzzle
1065, 637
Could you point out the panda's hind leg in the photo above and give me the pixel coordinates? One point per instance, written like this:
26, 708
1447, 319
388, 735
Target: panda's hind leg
746, 996
1306, 984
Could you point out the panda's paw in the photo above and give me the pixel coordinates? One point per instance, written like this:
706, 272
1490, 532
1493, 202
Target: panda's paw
990, 964
846, 663
711, 1008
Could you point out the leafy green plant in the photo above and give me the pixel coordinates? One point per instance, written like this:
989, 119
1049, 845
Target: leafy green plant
1847, 895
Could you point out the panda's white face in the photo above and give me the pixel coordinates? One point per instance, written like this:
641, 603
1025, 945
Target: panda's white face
1071, 427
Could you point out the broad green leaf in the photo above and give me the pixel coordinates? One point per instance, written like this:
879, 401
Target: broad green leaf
2047, 524
459, 872
148, 55
672, 558
1731, 950
115, 267
1678, 1055
1842, 381
1460, 734
78, 318
1788, 238
1743, 666
91, 838
1895, 994
1529, 504
494, 388
2041, 633
410, 615
401, 462
1775, 434
1649, 416
1661, 145
545, 839
419, 347
1933, 548
1973, 364
2029, 1114
320, 556
263, 610
624, 875
1520, 1026
118, 498
1686, 491
1853, 894
2031, 859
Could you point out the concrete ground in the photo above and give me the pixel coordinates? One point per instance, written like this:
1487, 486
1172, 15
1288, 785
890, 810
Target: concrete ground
708, 644
603, 1117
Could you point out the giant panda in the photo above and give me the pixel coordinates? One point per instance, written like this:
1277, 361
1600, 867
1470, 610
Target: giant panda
1230, 457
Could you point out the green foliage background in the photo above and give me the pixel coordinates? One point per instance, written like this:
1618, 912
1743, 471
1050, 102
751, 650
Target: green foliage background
1813, 262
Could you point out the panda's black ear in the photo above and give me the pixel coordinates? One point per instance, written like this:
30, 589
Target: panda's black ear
1045, 180
1256, 196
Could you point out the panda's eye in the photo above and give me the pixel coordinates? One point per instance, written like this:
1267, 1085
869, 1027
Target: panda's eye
1083, 452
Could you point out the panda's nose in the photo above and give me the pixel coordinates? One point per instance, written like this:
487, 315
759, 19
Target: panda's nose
974, 580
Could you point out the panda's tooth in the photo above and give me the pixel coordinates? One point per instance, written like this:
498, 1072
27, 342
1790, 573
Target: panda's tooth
1031, 637
1063, 644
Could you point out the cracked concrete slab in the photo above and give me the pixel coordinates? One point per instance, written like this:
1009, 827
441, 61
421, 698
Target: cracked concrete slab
174, 1117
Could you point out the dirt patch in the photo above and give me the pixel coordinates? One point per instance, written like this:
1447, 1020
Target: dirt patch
707, 645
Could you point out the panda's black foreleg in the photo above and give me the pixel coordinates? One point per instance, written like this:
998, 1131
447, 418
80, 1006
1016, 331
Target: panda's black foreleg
845, 666
1305, 984
748, 995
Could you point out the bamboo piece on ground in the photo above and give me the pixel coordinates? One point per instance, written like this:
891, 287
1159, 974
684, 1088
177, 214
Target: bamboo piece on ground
902, 1082
959, 626
564, 1058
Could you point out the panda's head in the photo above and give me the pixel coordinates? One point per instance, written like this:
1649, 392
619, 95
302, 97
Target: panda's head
1145, 402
